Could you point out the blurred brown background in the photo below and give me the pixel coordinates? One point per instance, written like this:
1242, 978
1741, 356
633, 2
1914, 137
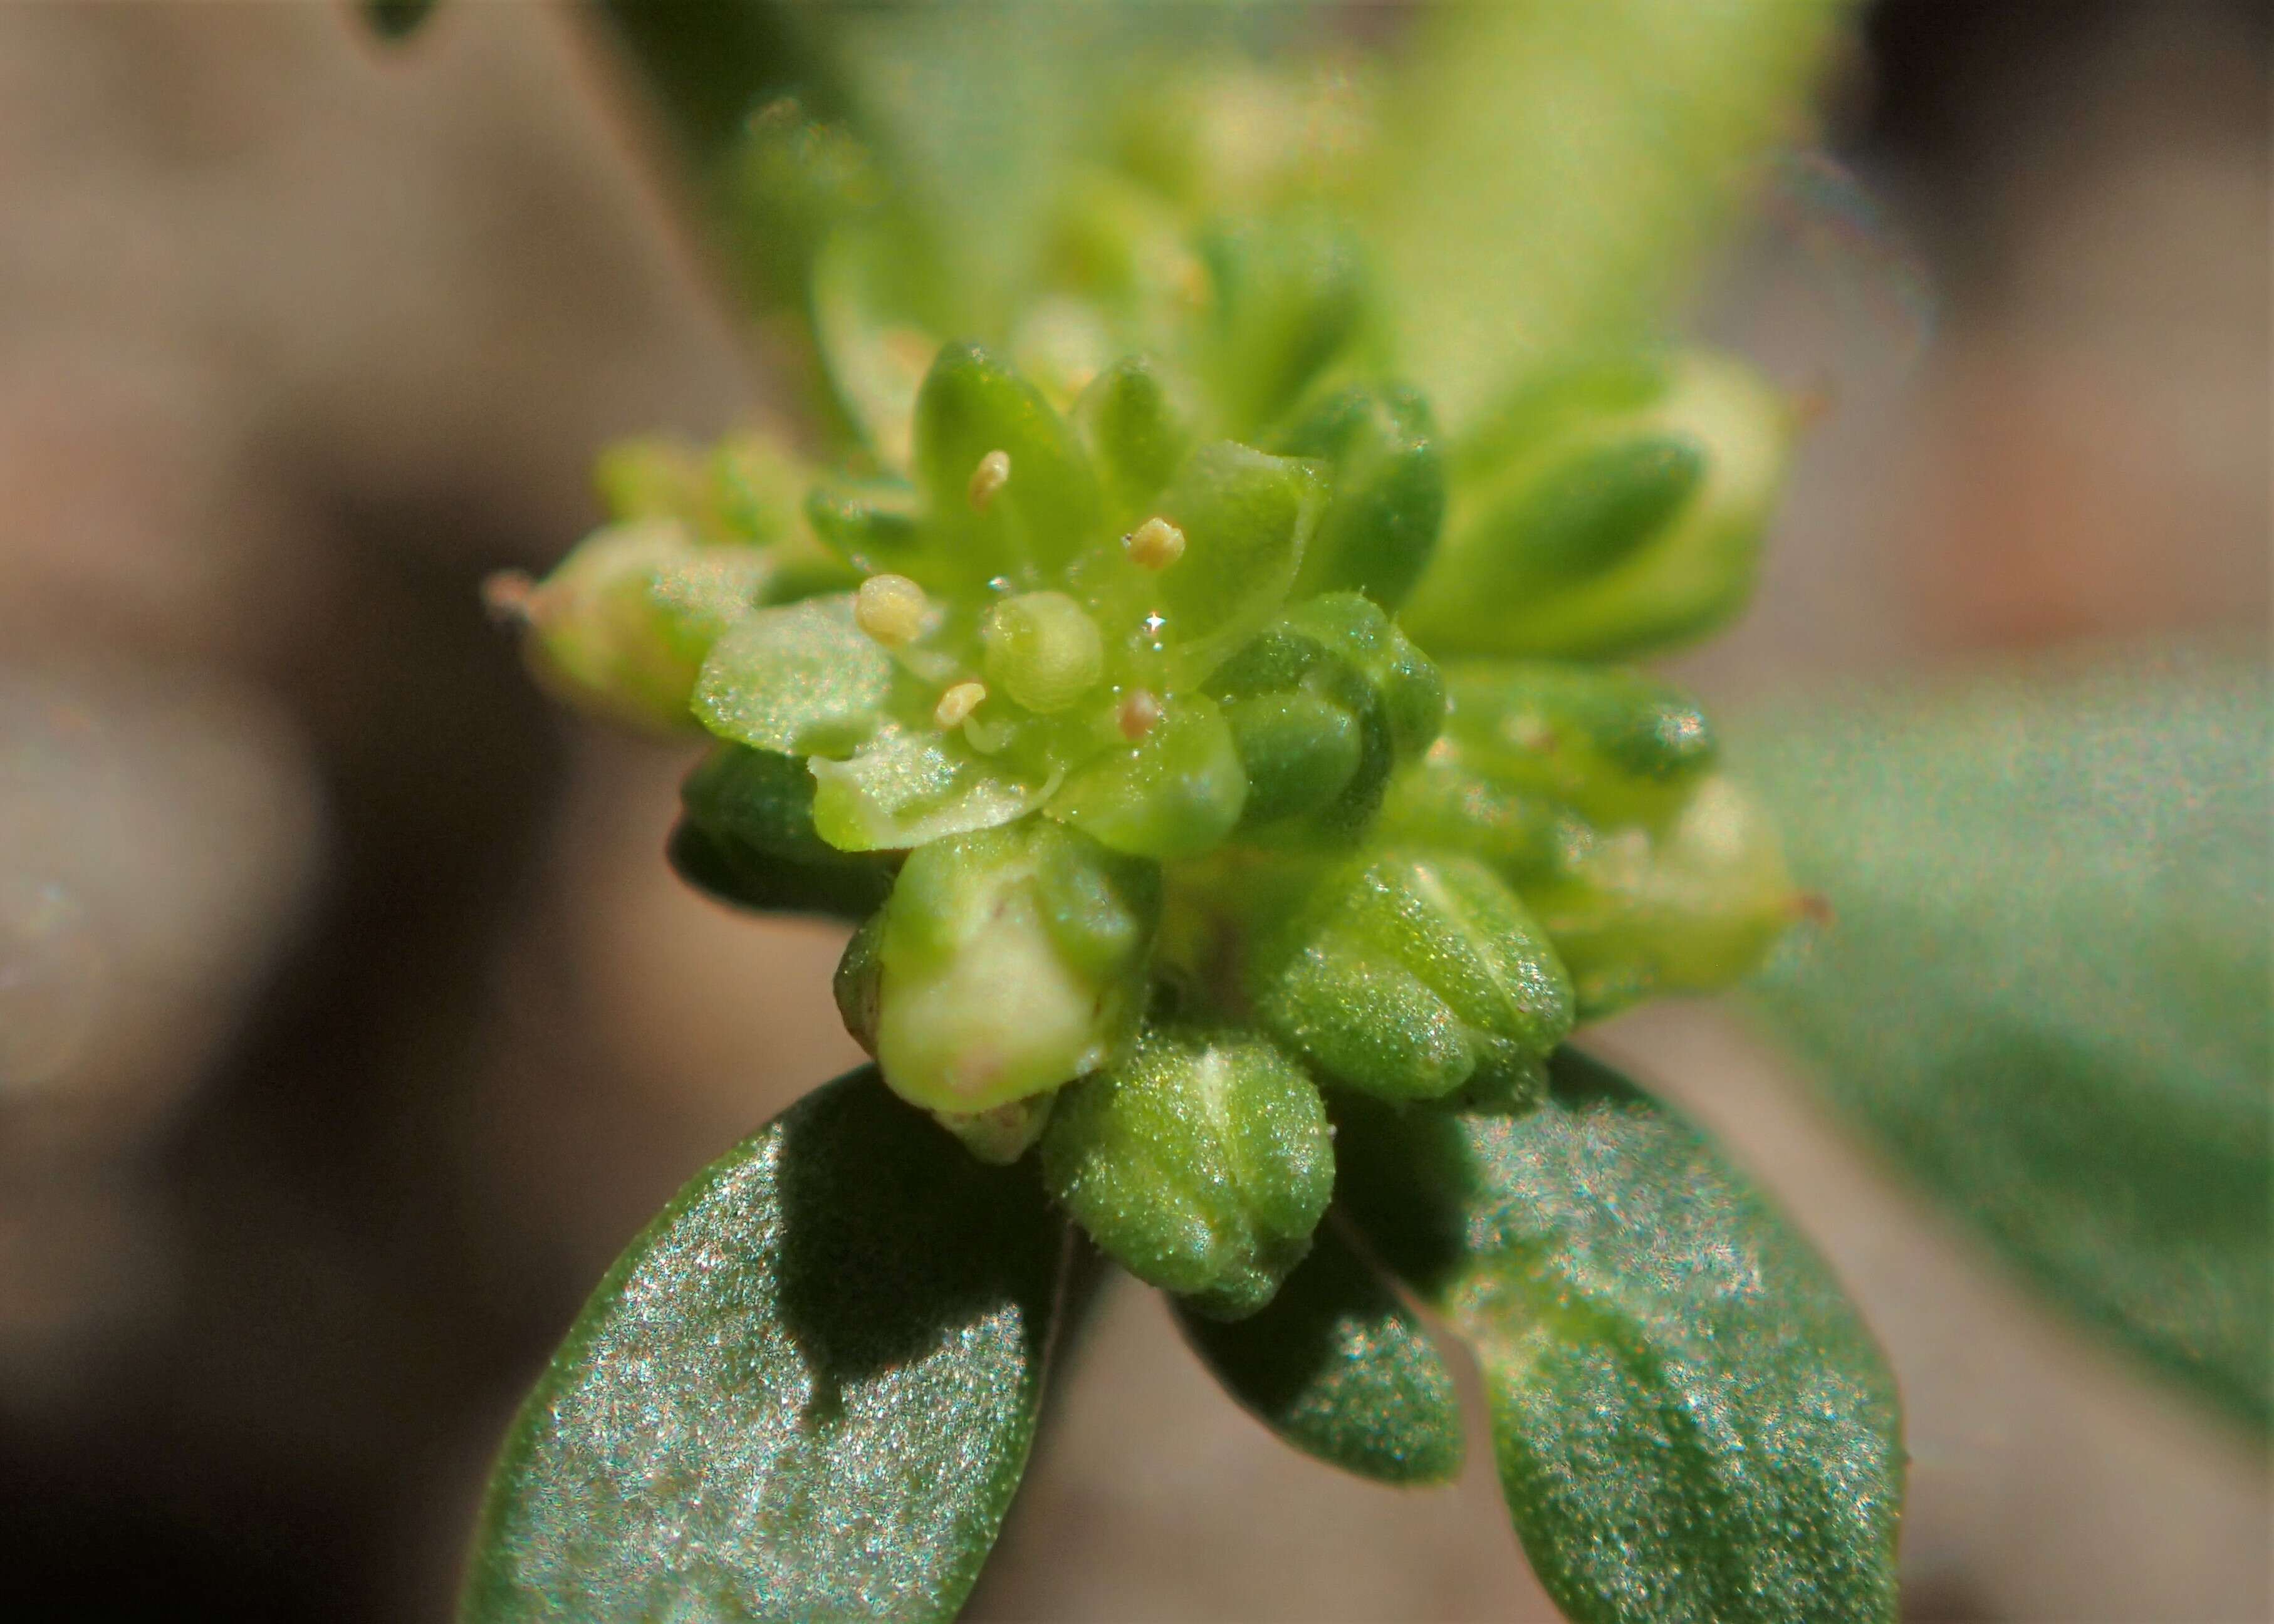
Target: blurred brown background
349, 1020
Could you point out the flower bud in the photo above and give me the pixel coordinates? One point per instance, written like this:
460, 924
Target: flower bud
1410, 976
1388, 480
1009, 962
1201, 1162
623, 625
1621, 511
1326, 705
1615, 746
1691, 909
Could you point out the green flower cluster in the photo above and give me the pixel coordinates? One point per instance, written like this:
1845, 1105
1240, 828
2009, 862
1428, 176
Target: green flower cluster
1191, 726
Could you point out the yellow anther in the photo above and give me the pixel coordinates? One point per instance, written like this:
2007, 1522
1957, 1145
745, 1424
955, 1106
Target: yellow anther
992, 474
1139, 713
1155, 545
957, 704
891, 609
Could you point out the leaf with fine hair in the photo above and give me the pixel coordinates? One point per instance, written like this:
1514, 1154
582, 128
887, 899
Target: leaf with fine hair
1555, 171
2045, 988
806, 1391
1340, 1368
1691, 1424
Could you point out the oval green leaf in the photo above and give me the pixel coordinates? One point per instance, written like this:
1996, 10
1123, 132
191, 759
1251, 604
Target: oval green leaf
806, 1391
1341, 1370
2045, 988
1690, 1422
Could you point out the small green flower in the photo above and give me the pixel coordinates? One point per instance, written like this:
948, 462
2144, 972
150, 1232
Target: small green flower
1099, 682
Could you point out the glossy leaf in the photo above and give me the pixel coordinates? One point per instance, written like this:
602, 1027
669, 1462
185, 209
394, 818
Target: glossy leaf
1341, 1370
1201, 1163
806, 1391
2045, 985
1690, 1422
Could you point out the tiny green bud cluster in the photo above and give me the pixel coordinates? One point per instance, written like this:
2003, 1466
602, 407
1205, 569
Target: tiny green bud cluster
1100, 681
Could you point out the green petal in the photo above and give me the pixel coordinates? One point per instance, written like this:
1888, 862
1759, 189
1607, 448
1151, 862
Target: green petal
1176, 793
806, 1391
1049, 508
802, 680
905, 787
1137, 433
1246, 518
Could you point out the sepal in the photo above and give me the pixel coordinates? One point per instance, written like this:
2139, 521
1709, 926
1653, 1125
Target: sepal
1201, 1163
1622, 512
1410, 976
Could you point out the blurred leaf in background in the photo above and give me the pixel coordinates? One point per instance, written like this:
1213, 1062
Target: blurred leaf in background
1555, 172
2046, 988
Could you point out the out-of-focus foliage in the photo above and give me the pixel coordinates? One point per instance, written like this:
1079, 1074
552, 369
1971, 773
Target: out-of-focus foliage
1555, 171
2049, 991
